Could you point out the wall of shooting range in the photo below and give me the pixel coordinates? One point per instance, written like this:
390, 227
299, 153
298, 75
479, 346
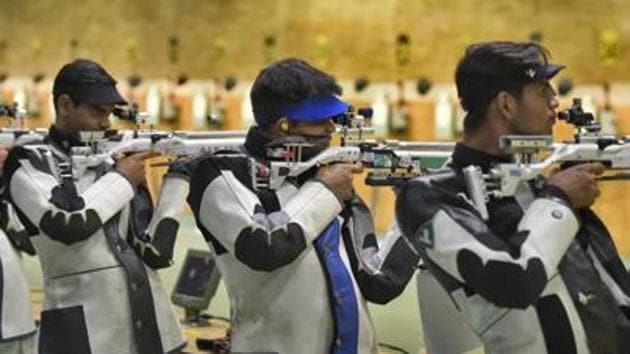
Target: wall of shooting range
350, 38
382, 41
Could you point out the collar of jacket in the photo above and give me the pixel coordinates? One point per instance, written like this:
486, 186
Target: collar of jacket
256, 142
464, 155
62, 140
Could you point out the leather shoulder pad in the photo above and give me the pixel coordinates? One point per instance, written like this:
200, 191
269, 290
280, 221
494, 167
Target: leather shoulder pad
35, 154
211, 167
419, 199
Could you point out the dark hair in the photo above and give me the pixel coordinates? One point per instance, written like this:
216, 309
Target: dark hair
284, 83
75, 75
491, 67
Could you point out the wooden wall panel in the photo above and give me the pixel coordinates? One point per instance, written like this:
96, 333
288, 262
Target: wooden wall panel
233, 106
349, 38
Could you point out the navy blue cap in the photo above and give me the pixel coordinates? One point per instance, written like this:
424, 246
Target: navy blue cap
543, 71
490, 67
318, 107
87, 81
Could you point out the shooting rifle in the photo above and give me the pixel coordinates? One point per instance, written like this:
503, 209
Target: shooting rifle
589, 145
390, 162
100, 147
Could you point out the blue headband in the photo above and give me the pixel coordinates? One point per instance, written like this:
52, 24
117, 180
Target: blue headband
314, 108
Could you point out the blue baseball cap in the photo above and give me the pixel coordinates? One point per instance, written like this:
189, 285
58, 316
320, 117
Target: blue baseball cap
318, 107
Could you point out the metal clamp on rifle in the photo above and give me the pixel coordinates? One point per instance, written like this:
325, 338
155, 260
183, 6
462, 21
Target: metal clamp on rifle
587, 129
290, 158
586, 126
354, 124
131, 113
503, 179
393, 162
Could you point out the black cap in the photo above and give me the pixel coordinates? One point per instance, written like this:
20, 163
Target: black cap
490, 67
87, 81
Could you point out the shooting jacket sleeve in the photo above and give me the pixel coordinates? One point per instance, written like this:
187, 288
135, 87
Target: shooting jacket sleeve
156, 245
57, 209
15, 231
10, 223
232, 217
507, 270
382, 271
